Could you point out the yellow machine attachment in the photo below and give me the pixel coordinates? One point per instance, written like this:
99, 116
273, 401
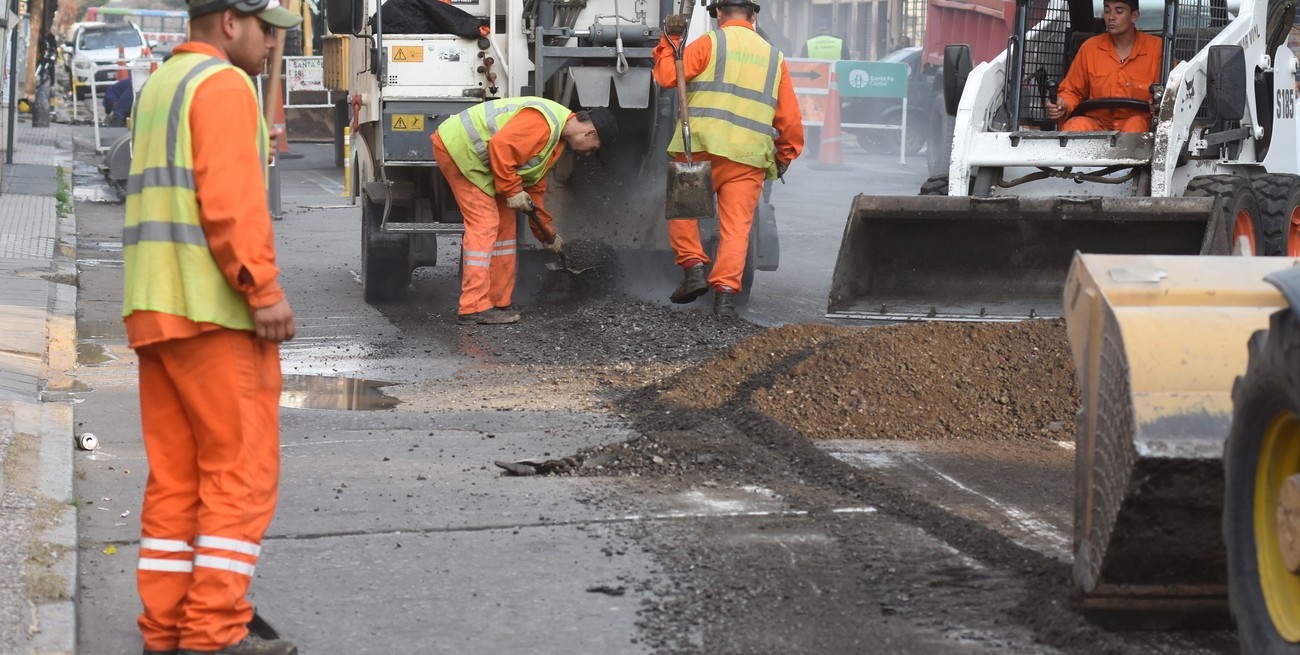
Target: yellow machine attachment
1157, 342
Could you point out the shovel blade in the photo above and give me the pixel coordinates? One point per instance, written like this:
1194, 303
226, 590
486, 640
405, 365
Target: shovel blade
690, 190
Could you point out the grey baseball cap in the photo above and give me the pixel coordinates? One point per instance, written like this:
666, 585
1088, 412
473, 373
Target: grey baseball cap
268, 11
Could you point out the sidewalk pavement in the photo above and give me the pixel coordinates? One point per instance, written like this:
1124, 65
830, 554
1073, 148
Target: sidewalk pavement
38, 519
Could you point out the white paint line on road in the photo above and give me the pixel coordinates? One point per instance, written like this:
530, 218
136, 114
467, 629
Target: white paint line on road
1054, 543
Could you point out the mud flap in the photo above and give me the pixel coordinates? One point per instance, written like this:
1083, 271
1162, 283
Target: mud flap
1003, 258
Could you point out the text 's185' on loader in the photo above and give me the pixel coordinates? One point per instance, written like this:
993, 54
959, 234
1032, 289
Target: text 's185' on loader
1188, 467
993, 238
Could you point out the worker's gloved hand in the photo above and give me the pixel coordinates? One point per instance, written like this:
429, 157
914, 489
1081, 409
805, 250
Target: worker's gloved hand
555, 245
520, 202
675, 24
781, 168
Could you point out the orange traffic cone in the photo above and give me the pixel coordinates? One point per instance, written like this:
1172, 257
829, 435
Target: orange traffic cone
121, 63
830, 155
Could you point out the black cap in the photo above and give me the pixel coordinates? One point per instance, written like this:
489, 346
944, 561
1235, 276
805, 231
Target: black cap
713, 6
606, 125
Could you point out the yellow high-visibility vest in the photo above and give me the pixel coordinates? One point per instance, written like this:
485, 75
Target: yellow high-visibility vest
466, 136
825, 47
732, 102
169, 266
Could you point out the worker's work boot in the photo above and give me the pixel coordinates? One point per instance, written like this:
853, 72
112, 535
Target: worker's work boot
251, 645
693, 286
492, 316
724, 303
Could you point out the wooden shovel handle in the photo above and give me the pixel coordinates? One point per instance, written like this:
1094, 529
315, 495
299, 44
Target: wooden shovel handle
681, 97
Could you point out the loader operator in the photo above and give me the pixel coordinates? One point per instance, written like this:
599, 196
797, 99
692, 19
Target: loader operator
495, 156
1122, 63
205, 315
745, 120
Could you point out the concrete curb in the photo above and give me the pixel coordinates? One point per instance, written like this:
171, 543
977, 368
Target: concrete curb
51, 418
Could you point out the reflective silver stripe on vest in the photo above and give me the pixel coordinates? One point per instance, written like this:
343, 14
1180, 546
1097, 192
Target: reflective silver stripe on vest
719, 86
159, 176
737, 120
151, 177
491, 110
164, 231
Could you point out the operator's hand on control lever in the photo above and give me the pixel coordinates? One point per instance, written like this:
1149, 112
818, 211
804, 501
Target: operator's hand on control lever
675, 24
554, 246
1055, 110
520, 202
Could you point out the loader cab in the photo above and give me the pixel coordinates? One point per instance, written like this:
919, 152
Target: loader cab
1054, 30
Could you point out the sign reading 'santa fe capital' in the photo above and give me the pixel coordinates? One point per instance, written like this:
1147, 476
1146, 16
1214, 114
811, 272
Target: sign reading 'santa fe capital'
871, 79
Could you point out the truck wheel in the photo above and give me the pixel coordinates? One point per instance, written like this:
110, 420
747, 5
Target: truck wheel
939, 155
1279, 205
1261, 504
385, 267
1239, 213
936, 185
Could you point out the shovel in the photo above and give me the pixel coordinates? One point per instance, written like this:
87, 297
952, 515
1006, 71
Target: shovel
690, 184
549, 234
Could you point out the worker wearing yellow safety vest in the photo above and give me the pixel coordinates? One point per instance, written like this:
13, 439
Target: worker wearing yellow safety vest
745, 121
824, 46
205, 315
495, 156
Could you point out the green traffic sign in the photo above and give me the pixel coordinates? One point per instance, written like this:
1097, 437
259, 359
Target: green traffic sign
871, 79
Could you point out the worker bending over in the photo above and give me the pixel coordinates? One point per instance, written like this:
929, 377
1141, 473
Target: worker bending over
495, 156
205, 315
1122, 63
745, 120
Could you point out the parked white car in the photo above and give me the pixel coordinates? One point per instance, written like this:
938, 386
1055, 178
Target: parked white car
101, 44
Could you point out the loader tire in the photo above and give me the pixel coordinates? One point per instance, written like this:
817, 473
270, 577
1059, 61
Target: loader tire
1262, 451
1279, 203
385, 262
936, 185
1239, 213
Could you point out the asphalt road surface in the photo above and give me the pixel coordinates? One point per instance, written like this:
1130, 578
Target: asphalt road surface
396, 533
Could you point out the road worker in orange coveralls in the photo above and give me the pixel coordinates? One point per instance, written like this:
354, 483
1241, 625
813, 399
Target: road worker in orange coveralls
745, 120
205, 315
1122, 63
495, 156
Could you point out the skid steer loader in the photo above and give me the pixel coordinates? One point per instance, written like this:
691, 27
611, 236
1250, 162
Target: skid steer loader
993, 238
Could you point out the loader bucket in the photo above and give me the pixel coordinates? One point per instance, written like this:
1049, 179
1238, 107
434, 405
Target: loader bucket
1004, 258
1157, 344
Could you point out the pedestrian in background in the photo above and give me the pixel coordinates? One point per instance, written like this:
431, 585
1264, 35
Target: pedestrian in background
745, 120
205, 315
495, 156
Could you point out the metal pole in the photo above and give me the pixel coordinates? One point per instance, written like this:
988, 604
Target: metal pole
13, 91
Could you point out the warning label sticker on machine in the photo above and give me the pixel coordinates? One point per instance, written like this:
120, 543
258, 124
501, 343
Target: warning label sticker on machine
407, 54
408, 123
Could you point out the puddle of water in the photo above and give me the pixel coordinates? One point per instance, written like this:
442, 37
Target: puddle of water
89, 354
113, 328
325, 392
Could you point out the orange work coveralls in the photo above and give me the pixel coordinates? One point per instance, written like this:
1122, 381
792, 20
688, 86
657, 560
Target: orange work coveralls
209, 399
1097, 72
738, 186
490, 245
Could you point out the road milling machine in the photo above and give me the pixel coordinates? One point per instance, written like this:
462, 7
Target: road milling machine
1187, 488
580, 53
993, 238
